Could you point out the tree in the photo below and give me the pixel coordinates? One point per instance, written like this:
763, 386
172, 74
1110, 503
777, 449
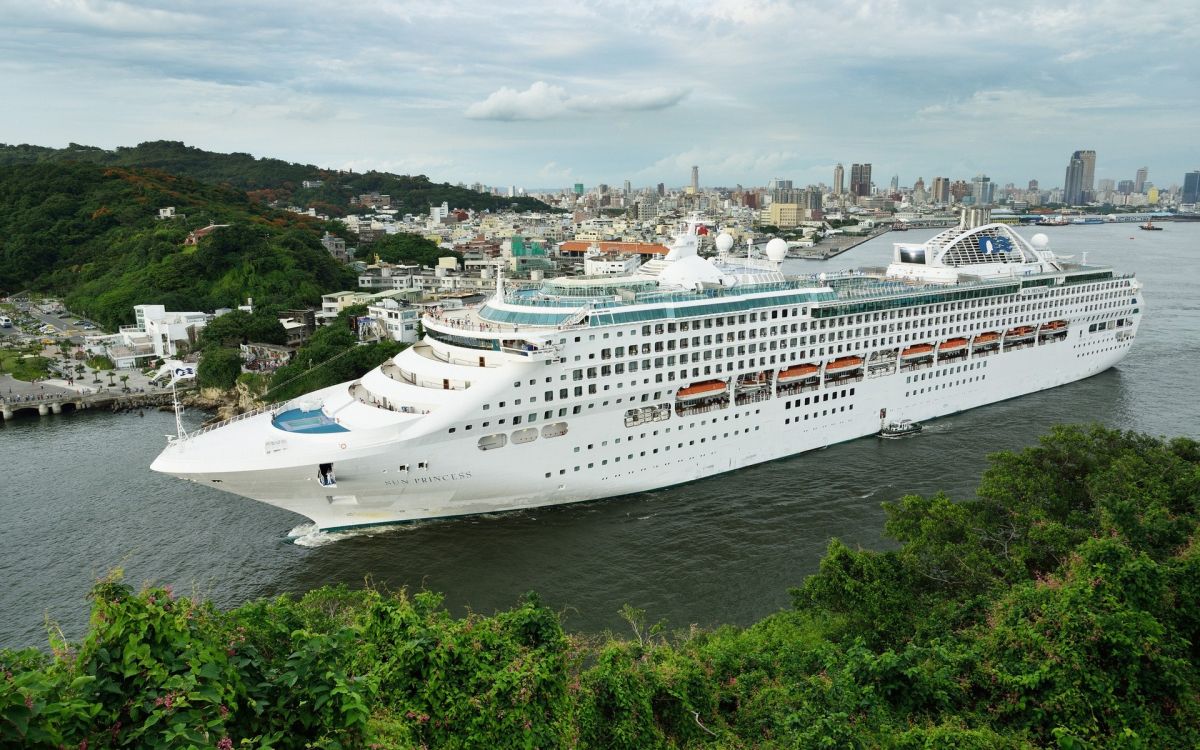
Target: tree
241, 327
219, 368
124, 383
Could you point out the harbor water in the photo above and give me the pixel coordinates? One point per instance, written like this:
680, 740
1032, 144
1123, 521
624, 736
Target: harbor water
78, 497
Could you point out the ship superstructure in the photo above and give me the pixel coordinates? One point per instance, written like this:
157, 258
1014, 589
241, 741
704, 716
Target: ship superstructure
590, 387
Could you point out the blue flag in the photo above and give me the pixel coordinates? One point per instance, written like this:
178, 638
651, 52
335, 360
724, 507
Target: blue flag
992, 245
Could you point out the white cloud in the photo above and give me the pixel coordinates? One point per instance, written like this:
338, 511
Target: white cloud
544, 101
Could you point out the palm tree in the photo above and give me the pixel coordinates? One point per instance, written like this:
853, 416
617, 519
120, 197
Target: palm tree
124, 380
111, 375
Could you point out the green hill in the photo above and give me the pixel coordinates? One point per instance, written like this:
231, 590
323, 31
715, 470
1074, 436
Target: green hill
90, 233
274, 180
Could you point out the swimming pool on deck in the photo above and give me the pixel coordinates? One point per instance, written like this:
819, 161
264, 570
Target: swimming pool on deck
307, 422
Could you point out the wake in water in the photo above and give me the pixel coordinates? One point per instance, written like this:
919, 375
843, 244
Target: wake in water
308, 535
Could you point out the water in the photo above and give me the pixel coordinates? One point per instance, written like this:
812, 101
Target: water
78, 497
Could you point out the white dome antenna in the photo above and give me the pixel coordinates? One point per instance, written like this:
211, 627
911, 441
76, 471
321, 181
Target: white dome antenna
777, 250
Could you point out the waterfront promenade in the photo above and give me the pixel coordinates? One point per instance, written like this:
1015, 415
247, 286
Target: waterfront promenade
54, 396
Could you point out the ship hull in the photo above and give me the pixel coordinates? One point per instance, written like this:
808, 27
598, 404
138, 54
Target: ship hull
434, 476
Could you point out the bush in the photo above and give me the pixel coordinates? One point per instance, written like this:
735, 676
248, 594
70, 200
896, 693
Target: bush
219, 368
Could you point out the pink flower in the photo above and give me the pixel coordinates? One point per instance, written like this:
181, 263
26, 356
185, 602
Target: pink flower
225, 744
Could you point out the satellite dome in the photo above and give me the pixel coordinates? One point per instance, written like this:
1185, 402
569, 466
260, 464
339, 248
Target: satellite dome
1039, 240
777, 249
724, 242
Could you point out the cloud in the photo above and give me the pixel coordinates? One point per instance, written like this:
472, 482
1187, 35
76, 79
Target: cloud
544, 101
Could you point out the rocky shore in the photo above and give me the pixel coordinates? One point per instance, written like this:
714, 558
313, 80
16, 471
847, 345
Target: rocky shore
223, 403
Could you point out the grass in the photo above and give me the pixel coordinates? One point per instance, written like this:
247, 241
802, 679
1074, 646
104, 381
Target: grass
15, 362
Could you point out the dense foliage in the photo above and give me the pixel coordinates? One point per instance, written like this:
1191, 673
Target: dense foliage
274, 180
90, 233
1059, 608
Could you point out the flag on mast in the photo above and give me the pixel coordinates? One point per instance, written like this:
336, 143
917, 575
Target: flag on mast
177, 370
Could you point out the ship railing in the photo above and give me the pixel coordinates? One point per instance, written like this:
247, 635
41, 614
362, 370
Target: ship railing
273, 408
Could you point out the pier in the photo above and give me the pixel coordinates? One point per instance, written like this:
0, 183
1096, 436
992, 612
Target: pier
59, 402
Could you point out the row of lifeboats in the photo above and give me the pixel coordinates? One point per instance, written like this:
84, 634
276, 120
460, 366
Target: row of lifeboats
851, 365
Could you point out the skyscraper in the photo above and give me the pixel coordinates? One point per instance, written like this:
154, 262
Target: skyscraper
1191, 187
1139, 182
860, 179
983, 190
894, 185
1089, 173
1073, 181
695, 180
1079, 183
839, 179
941, 189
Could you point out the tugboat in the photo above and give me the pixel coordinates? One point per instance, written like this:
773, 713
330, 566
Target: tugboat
1149, 227
898, 428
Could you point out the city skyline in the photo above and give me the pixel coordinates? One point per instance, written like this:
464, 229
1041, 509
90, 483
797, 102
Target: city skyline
547, 95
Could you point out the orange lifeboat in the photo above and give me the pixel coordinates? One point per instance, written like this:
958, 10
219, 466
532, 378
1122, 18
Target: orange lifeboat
701, 390
843, 364
917, 351
950, 345
1054, 325
987, 337
1019, 332
797, 372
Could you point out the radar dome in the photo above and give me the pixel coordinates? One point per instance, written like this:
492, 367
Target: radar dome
724, 242
1039, 240
777, 249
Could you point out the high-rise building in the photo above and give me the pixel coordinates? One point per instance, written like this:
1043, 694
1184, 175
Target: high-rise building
661, 189
1125, 187
1073, 181
919, 196
959, 189
983, 190
839, 179
1191, 188
1080, 180
1033, 185
695, 180
1139, 181
894, 185
579, 188
941, 189
628, 187
860, 180
1089, 172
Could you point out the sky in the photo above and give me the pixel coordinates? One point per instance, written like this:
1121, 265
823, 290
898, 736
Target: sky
546, 94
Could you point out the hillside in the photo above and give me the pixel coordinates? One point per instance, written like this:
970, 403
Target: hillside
90, 233
273, 180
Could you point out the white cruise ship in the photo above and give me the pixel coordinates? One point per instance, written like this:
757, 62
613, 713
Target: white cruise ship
591, 387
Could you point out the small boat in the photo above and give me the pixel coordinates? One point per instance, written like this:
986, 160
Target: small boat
1020, 332
1149, 227
898, 428
798, 372
987, 338
843, 364
702, 390
916, 351
950, 345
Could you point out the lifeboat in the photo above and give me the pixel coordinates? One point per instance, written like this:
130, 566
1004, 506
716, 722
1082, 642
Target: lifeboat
1054, 325
1020, 332
986, 338
843, 364
701, 390
917, 351
797, 372
950, 345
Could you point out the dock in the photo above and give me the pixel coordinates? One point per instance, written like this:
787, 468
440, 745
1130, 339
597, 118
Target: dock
59, 403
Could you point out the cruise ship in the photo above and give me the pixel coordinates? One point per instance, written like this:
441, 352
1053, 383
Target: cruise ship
591, 387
